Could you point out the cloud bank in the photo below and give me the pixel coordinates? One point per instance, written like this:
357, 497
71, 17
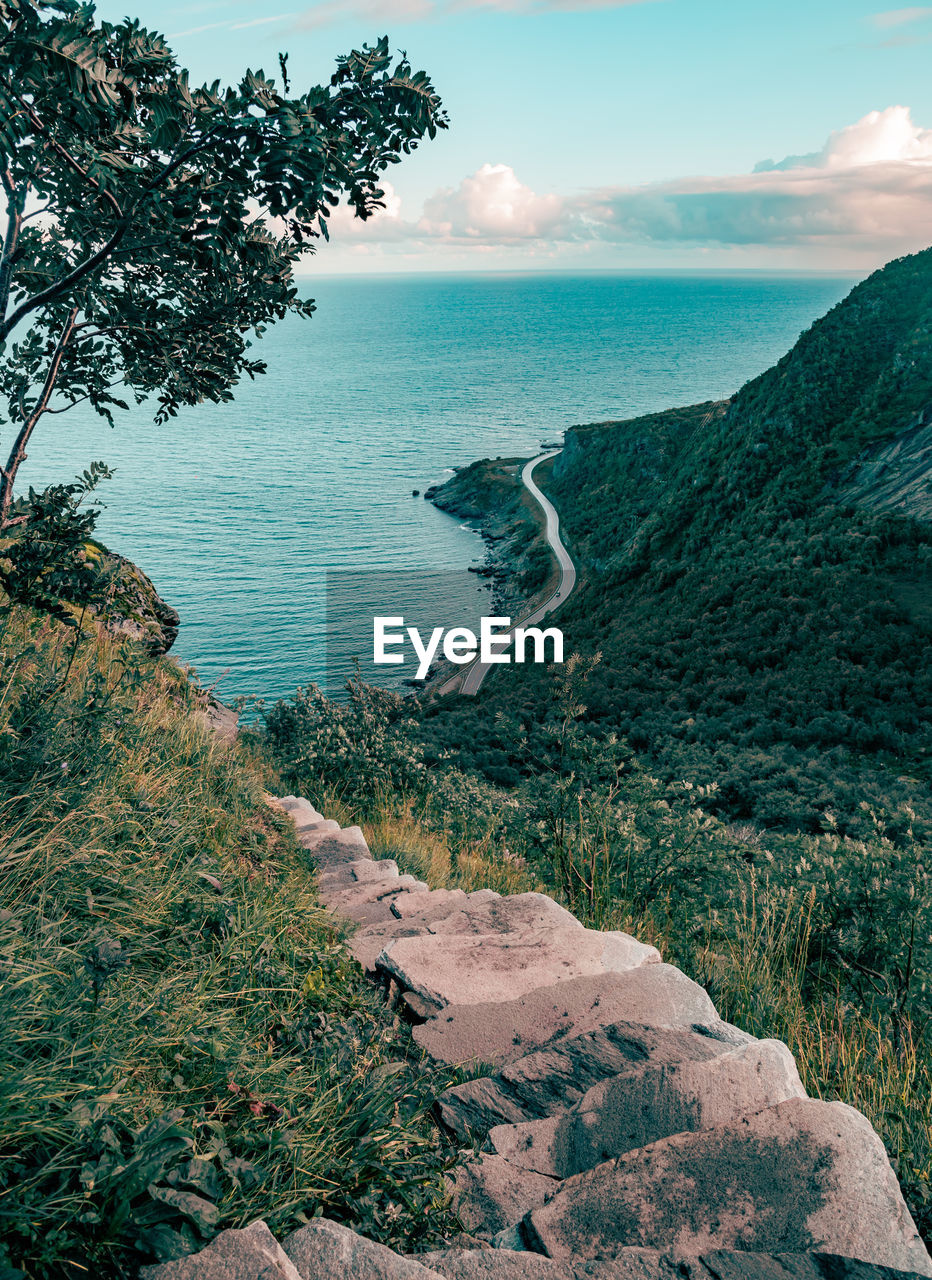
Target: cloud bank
867, 190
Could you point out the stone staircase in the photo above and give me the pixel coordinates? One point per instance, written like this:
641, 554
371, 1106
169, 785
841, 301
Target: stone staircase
626, 1131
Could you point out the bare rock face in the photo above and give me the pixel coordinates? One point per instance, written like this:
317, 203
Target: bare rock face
234, 1255
554, 1079
500, 1032
436, 903
497, 967
800, 1177
133, 608
651, 1101
325, 1250
650, 1264
330, 844
489, 1194
469, 913
657, 995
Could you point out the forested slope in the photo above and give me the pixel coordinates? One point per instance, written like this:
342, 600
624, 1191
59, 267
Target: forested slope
758, 629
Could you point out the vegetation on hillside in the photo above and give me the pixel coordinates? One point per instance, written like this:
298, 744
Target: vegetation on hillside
824, 941
736, 763
186, 1045
756, 630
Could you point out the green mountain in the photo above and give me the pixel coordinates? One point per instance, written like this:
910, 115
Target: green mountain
756, 576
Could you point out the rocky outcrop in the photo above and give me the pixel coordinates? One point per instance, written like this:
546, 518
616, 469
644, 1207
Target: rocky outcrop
894, 474
234, 1255
134, 608
626, 1131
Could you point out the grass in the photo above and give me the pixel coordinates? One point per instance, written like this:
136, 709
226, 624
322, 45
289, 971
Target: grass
186, 1044
441, 860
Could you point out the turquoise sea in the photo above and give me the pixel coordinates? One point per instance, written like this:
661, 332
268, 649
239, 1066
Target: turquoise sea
238, 511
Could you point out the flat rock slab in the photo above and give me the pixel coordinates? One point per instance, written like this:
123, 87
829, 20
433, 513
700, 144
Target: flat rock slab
481, 968
248, 1254
325, 1250
462, 916
657, 994
353, 900
495, 1264
345, 875
489, 1194
434, 903
297, 805
335, 845
513, 913
801, 1177
650, 1264
348, 873
650, 1101
554, 1079
312, 828
367, 944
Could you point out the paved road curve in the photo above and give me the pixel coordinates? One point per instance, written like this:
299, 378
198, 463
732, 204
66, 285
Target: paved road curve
477, 672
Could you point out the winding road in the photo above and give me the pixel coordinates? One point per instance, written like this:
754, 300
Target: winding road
471, 681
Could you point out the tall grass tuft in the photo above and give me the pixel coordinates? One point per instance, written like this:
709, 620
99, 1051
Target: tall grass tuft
185, 1045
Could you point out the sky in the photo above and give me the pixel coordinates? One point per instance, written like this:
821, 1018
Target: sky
619, 134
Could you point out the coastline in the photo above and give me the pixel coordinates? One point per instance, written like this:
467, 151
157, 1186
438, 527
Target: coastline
500, 501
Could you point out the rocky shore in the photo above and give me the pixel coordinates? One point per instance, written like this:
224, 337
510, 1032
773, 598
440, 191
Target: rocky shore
489, 496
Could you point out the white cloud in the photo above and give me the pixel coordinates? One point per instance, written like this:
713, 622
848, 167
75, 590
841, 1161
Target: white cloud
880, 136
492, 205
385, 224
901, 17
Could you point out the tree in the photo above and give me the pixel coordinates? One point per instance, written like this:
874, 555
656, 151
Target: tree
153, 229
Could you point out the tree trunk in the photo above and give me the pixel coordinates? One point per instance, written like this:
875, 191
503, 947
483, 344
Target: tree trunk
18, 452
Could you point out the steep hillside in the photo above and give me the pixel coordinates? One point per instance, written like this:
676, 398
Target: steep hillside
762, 613
186, 1044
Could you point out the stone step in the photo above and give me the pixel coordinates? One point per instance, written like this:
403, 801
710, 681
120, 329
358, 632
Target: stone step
496, 1033
466, 916
490, 1194
325, 1250
312, 829
650, 1264
349, 900
801, 1177
648, 1102
492, 968
513, 913
346, 874
552, 1080
298, 806
433, 903
331, 847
